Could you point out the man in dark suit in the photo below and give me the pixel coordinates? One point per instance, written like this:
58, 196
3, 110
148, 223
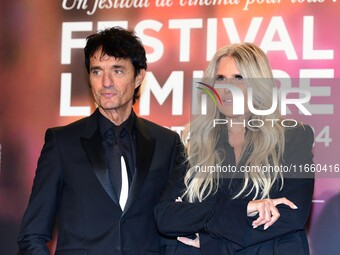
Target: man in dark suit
100, 177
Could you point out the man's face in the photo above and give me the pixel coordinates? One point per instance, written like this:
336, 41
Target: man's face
112, 82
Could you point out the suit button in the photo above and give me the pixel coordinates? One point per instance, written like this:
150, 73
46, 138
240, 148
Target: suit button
118, 248
123, 221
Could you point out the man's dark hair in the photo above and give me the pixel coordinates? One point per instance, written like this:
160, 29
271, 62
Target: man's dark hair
119, 43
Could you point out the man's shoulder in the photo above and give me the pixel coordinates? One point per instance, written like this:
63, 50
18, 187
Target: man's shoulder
73, 129
155, 128
72, 125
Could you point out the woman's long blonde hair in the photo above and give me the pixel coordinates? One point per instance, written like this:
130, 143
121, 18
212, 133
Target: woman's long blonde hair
267, 142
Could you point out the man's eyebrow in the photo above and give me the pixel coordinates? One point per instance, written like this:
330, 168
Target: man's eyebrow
95, 67
113, 67
118, 66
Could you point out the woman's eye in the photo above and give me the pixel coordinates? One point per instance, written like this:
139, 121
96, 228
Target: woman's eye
219, 78
238, 77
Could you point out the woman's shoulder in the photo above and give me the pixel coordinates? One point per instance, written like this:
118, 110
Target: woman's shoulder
301, 133
299, 143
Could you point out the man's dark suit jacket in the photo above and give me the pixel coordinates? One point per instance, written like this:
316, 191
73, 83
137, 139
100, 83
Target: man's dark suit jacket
71, 186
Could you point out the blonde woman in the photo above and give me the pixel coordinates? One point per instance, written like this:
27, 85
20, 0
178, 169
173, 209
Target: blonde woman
257, 204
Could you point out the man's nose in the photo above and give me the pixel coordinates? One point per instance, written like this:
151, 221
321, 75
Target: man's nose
107, 79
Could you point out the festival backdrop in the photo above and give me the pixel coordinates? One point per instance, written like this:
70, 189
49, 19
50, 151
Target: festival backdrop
44, 82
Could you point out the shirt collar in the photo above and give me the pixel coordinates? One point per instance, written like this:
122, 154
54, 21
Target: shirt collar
105, 124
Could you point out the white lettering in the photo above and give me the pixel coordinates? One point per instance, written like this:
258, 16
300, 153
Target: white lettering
65, 99
155, 44
308, 42
185, 26
68, 43
174, 84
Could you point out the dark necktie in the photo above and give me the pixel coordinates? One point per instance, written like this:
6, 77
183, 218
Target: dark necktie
117, 165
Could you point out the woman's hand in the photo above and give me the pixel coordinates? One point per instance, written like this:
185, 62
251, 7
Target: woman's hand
267, 211
191, 242
188, 241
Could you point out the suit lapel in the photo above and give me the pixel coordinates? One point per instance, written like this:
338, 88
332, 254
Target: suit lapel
91, 142
145, 148
145, 144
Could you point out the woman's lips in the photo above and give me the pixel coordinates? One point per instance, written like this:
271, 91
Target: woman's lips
227, 101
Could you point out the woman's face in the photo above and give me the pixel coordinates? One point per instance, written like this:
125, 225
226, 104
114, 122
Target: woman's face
228, 73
